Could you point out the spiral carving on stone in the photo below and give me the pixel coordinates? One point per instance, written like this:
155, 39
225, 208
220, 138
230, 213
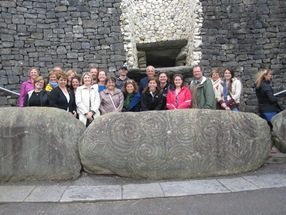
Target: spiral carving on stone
170, 144
122, 134
155, 124
149, 155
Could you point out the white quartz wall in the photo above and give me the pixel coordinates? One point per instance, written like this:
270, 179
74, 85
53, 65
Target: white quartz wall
148, 21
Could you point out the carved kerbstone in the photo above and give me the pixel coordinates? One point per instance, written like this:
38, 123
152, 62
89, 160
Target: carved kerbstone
279, 130
39, 144
175, 144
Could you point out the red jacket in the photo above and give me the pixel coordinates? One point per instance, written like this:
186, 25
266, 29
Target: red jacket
184, 99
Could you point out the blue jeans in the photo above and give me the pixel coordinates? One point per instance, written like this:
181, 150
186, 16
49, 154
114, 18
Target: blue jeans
267, 116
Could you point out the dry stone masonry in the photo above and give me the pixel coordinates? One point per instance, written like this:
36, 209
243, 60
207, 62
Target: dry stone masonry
243, 34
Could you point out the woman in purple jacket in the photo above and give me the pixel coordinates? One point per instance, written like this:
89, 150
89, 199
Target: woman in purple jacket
28, 85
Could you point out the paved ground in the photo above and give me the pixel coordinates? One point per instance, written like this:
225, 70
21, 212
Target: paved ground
263, 202
90, 188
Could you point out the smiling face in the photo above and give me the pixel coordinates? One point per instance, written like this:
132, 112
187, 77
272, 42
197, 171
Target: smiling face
163, 78
227, 75
152, 84
62, 82
150, 71
87, 80
130, 88
101, 76
110, 85
215, 76
53, 78
34, 74
178, 81
75, 83
39, 85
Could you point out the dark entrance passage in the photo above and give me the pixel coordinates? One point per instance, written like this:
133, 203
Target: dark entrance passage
162, 54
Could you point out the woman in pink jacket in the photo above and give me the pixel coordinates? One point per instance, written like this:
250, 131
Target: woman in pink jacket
179, 97
28, 85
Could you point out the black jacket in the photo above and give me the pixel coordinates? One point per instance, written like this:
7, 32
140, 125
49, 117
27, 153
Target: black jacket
149, 102
43, 95
165, 92
267, 102
59, 100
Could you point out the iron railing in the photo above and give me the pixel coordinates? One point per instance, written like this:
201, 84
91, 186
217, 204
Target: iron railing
281, 92
9, 91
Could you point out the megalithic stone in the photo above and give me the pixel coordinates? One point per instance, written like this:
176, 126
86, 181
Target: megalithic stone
175, 144
38, 143
279, 130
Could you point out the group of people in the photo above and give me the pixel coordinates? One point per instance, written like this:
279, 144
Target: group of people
96, 93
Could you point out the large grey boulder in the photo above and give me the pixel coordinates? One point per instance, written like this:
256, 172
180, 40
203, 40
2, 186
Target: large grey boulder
39, 144
279, 130
175, 144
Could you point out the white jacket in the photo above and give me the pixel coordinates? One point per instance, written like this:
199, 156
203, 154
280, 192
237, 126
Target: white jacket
87, 99
236, 88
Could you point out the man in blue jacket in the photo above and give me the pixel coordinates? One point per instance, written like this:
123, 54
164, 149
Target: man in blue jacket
150, 71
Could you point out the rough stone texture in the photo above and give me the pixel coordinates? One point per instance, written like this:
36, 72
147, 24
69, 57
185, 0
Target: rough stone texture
244, 34
175, 144
146, 22
279, 130
72, 34
39, 144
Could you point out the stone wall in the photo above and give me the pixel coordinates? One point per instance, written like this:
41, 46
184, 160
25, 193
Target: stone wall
69, 33
245, 34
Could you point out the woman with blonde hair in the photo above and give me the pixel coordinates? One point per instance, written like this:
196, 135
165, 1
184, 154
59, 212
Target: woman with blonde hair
53, 81
216, 81
267, 102
28, 85
87, 100
70, 74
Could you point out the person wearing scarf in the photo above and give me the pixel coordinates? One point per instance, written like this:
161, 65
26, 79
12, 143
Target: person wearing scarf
53, 81
132, 97
229, 91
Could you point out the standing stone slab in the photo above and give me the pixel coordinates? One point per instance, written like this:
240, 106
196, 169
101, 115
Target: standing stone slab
279, 130
39, 144
175, 144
